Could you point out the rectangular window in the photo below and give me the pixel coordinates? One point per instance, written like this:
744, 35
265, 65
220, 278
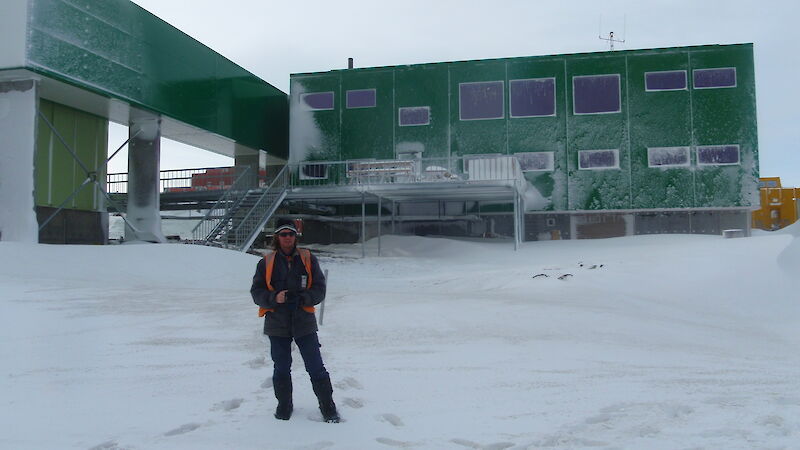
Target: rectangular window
715, 78
414, 116
534, 97
718, 155
598, 159
673, 80
596, 94
314, 172
361, 98
481, 100
668, 156
535, 161
318, 101
767, 184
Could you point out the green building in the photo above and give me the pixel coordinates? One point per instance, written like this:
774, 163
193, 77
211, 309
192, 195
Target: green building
608, 143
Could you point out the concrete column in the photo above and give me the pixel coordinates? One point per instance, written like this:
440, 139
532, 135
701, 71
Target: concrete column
18, 107
245, 159
144, 163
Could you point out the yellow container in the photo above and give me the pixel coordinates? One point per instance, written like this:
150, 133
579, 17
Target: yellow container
779, 205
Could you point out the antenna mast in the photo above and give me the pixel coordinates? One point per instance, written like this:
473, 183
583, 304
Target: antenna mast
611, 40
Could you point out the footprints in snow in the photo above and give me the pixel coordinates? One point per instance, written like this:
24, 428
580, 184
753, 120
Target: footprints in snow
257, 363
228, 405
349, 383
391, 418
183, 429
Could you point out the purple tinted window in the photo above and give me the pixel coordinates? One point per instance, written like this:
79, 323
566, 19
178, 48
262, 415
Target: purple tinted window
597, 159
718, 154
665, 81
416, 115
481, 100
715, 78
531, 98
596, 94
318, 100
668, 156
362, 98
535, 161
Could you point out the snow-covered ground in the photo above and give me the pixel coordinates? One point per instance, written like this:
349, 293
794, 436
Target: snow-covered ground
675, 342
179, 223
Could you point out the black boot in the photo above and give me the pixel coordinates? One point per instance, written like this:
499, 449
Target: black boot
324, 392
283, 392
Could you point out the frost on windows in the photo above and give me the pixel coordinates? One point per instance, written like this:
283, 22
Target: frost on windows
668, 156
414, 116
598, 159
715, 78
718, 155
481, 100
314, 172
596, 94
533, 97
535, 161
673, 80
360, 98
318, 101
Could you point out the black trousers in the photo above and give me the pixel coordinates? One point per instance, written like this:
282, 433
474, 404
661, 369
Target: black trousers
281, 352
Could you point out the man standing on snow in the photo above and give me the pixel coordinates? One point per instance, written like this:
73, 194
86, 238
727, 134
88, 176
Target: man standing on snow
287, 284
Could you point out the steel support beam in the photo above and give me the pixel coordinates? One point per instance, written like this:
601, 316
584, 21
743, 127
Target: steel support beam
144, 155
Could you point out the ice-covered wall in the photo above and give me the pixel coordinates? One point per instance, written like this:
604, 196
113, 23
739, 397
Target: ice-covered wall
18, 132
14, 26
305, 136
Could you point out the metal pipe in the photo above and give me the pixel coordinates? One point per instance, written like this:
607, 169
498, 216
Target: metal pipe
379, 225
322, 305
363, 226
516, 220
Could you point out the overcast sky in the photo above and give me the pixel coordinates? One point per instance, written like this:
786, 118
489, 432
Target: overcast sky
273, 39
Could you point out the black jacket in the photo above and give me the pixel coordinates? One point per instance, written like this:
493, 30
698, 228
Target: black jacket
288, 319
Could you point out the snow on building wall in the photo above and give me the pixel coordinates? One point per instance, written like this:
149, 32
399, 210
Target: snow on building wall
665, 128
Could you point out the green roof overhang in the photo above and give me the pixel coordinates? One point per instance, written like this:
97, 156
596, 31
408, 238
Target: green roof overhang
109, 56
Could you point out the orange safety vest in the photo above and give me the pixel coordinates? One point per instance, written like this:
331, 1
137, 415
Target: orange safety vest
305, 256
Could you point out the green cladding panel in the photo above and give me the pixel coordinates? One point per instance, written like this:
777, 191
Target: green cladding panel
678, 119
58, 173
119, 50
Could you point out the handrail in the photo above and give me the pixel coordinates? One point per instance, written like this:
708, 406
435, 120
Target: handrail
226, 197
472, 169
281, 180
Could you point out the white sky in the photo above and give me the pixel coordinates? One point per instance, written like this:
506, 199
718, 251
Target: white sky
275, 39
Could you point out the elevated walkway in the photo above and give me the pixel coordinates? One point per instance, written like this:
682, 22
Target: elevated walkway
240, 212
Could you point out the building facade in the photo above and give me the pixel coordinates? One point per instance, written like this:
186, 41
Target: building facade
609, 143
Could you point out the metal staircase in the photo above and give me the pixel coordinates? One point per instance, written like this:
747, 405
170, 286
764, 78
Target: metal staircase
240, 215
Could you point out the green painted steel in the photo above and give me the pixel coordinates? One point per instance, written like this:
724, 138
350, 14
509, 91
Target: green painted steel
677, 118
117, 49
58, 174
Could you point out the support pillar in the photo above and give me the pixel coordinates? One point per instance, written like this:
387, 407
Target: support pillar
144, 163
516, 220
252, 162
18, 106
363, 225
379, 225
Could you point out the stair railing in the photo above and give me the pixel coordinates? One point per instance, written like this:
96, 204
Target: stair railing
219, 212
251, 225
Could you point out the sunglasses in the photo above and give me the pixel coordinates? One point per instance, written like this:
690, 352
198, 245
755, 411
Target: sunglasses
287, 234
